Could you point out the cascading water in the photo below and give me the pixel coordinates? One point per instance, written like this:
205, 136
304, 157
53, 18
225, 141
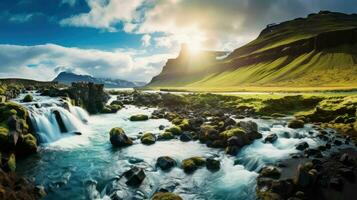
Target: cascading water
54, 118
91, 170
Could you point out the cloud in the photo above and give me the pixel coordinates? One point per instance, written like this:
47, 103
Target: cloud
223, 25
146, 40
44, 62
104, 14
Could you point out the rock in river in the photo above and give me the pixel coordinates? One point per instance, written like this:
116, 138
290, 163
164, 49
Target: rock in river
139, 117
134, 176
148, 138
119, 138
165, 163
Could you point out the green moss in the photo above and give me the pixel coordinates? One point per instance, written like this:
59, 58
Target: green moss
166, 196
185, 124
29, 144
166, 136
116, 131
191, 164
4, 133
11, 163
139, 117
148, 138
28, 98
174, 130
232, 132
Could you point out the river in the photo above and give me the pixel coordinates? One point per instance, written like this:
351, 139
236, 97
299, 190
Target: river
86, 166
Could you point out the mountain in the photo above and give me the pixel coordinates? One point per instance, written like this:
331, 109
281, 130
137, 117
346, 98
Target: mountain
319, 50
68, 77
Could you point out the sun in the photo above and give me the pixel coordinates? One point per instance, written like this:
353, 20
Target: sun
194, 47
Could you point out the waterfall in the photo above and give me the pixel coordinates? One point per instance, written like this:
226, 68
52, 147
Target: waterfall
54, 118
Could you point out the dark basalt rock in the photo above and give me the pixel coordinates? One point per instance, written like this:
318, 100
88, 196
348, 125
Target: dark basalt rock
135, 176
296, 123
271, 138
186, 136
213, 164
302, 146
165, 163
60, 122
118, 138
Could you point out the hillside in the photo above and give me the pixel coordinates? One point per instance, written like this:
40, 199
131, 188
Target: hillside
317, 51
67, 78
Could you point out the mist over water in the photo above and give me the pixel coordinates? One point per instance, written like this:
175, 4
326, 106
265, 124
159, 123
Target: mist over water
87, 166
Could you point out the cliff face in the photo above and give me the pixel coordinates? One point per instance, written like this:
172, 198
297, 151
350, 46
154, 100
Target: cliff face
299, 51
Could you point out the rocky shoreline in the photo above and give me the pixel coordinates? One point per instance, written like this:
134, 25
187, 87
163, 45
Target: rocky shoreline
207, 118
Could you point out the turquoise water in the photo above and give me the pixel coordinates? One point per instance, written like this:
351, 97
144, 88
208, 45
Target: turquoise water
87, 166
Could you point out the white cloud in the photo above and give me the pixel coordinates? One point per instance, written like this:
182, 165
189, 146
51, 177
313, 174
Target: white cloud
146, 40
44, 62
104, 14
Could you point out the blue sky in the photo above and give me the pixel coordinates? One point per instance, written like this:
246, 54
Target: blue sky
131, 39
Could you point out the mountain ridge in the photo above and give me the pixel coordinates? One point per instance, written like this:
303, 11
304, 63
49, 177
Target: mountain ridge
68, 77
319, 50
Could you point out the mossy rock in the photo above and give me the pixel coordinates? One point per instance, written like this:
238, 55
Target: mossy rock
176, 121
28, 98
166, 136
11, 163
148, 138
119, 138
189, 165
174, 130
21, 111
166, 196
139, 117
4, 134
185, 125
232, 132
296, 123
28, 145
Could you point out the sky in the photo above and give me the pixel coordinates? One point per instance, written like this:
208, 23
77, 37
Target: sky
131, 39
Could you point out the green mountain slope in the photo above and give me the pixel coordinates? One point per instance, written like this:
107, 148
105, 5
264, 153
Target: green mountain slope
320, 50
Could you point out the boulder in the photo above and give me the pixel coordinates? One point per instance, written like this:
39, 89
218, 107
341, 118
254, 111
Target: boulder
166, 136
208, 132
139, 117
270, 172
186, 136
27, 98
232, 150
306, 175
213, 164
134, 176
166, 196
271, 138
302, 146
118, 138
175, 130
165, 163
189, 165
148, 138
27, 145
296, 123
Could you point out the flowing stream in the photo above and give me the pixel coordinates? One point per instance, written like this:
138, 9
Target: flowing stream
86, 166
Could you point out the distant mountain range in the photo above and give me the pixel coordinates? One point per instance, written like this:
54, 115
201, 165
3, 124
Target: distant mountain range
319, 50
68, 77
